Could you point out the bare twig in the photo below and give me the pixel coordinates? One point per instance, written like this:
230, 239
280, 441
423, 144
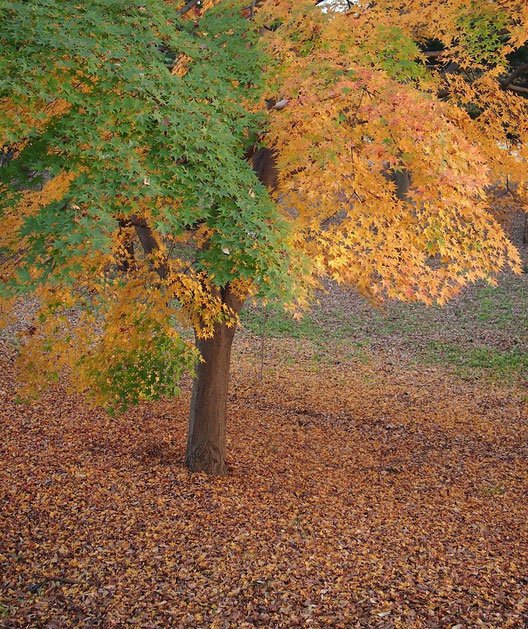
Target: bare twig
36, 587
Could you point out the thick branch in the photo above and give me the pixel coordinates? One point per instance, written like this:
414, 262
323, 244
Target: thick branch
515, 74
150, 245
433, 53
517, 88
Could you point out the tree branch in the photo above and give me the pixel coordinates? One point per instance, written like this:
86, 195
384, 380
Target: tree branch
433, 53
187, 7
516, 73
516, 88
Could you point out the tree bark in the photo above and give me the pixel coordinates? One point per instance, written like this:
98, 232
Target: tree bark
206, 440
402, 179
126, 256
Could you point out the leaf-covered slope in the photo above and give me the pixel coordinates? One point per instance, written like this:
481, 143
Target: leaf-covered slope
369, 496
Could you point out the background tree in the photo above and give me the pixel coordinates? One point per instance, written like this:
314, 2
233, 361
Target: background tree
145, 121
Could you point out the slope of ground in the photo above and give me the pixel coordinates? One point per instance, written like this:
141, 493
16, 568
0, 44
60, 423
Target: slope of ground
482, 334
360, 495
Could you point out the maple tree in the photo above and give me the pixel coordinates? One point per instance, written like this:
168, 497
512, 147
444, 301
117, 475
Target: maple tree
140, 139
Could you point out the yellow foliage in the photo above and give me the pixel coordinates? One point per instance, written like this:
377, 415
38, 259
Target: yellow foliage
339, 139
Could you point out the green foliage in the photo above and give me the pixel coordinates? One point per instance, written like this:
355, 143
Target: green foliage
482, 34
149, 371
397, 54
134, 134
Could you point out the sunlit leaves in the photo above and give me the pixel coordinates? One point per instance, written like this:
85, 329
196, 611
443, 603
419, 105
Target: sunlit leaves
366, 110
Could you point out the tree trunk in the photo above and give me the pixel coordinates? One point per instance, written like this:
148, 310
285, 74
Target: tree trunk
206, 440
402, 178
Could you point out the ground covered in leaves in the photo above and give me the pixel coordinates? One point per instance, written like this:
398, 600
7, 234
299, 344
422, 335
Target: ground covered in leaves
379, 478
360, 495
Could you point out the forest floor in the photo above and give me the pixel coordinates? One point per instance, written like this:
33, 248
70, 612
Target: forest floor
378, 478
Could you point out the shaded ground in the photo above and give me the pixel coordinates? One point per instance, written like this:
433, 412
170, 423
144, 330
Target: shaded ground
362, 495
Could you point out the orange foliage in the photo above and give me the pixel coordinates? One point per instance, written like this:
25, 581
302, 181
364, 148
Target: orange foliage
351, 119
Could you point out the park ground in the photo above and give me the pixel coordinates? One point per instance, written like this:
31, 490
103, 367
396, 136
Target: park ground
378, 478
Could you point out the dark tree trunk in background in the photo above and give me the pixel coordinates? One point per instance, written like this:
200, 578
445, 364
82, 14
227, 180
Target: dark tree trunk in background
206, 440
402, 179
403, 183
126, 257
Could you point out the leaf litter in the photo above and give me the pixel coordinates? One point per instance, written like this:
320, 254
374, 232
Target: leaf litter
359, 495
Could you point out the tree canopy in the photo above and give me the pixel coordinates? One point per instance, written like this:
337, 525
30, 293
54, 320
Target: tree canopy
137, 120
